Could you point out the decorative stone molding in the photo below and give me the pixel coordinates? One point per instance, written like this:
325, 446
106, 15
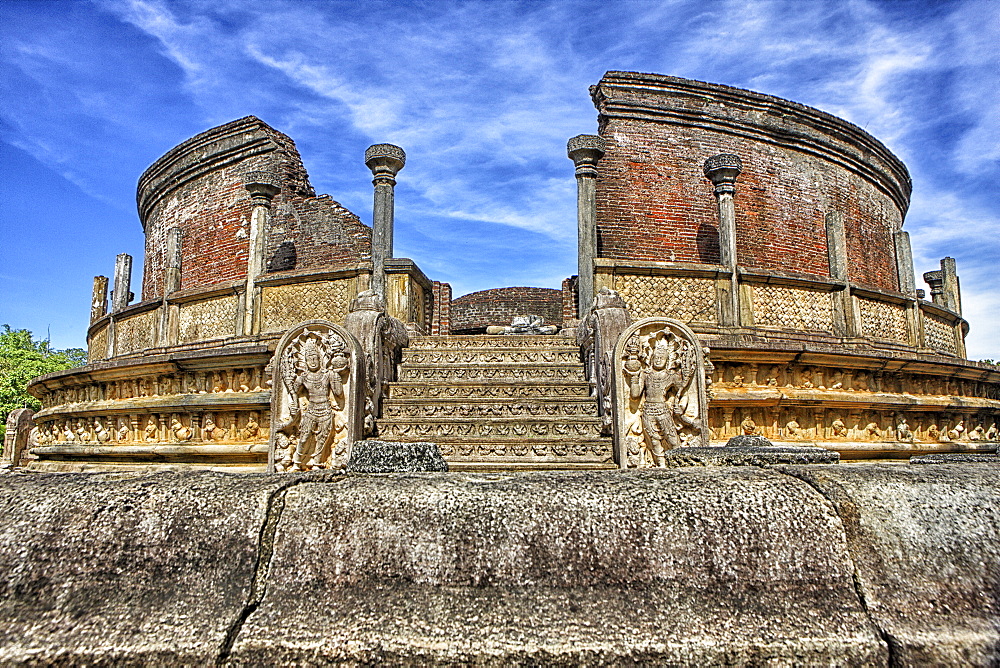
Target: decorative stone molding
722, 171
661, 397
317, 397
263, 186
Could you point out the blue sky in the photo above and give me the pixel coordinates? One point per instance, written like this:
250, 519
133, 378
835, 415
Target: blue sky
482, 96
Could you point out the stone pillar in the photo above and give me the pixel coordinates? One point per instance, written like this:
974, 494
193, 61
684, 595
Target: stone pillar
586, 151
172, 270
122, 294
722, 171
904, 263
263, 187
845, 320
99, 302
951, 291
385, 161
935, 281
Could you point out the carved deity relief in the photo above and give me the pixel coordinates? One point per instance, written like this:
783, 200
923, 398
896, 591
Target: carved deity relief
317, 397
661, 401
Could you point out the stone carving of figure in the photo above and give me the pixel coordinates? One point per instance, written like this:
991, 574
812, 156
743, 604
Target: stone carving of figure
123, 431
934, 434
180, 432
656, 384
737, 380
318, 384
991, 433
150, 430
792, 429
211, 431
977, 434
100, 433
838, 428
251, 432
82, 433
903, 432
957, 431
748, 426
872, 431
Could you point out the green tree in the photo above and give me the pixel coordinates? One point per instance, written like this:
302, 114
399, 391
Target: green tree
23, 358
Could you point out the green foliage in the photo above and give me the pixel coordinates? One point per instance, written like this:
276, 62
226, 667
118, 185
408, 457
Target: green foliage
23, 358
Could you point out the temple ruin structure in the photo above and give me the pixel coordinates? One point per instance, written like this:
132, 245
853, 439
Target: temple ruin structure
771, 230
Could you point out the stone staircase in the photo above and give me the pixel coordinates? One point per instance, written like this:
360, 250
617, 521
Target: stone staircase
511, 402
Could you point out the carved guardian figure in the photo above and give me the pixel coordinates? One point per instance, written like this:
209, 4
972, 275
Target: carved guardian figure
661, 401
317, 400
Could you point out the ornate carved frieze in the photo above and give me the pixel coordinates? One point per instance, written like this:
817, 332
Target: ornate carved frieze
207, 319
317, 397
661, 399
282, 306
792, 308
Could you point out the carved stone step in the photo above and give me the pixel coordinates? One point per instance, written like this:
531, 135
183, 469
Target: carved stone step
475, 390
441, 429
491, 356
482, 373
457, 342
438, 408
527, 450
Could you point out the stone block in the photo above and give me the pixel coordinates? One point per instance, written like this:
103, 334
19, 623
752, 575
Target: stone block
383, 457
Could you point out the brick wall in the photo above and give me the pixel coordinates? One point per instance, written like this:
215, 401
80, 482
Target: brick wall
441, 313
569, 287
655, 204
198, 186
478, 310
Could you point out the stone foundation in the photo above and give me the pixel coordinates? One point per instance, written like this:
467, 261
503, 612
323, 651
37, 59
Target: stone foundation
849, 565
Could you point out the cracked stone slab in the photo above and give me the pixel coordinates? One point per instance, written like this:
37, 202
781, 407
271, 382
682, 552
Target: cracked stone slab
679, 566
926, 542
124, 568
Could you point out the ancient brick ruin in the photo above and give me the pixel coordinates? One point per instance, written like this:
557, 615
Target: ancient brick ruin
770, 229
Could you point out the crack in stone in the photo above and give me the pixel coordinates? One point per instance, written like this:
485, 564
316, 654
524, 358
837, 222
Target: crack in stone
262, 567
849, 525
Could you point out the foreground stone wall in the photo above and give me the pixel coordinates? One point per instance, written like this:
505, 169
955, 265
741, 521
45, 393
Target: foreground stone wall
873, 564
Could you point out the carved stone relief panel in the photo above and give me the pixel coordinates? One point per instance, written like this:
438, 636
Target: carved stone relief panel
317, 397
97, 349
791, 308
207, 319
135, 334
684, 298
282, 306
661, 399
939, 333
881, 320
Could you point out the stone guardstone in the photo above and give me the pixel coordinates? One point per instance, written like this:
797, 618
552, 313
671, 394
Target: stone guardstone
749, 455
957, 458
385, 457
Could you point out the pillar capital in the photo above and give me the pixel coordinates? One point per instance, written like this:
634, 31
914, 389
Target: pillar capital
263, 186
585, 151
722, 170
385, 160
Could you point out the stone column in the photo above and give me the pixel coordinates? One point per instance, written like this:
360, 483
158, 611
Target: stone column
172, 271
585, 151
845, 320
122, 294
722, 170
385, 161
171, 283
99, 302
904, 263
263, 186
951, 291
